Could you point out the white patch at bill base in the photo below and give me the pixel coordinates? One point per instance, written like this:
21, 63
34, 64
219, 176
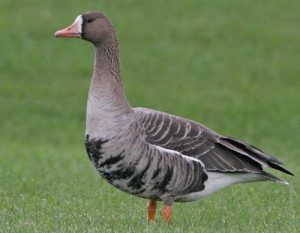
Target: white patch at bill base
78, 21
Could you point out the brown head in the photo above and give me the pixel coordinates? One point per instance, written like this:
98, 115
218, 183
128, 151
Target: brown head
90, 26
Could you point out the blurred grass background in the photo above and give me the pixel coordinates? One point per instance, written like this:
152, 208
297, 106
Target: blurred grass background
231, 65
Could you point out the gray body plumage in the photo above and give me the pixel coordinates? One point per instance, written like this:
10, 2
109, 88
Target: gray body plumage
133, 165
152, 154
164, 157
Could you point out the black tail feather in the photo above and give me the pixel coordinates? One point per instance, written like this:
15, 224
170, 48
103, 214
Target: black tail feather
257, 154
279, 168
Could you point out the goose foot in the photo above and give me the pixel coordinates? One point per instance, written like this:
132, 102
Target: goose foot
151, 210
167, 213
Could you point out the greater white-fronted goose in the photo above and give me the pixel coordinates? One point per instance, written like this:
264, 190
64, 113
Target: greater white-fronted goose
151, 154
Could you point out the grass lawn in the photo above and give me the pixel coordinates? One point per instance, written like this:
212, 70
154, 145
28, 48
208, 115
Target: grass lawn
232, 65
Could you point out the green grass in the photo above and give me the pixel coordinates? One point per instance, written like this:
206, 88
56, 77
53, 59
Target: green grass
232, 65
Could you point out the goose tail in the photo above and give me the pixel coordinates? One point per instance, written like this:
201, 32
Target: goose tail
271, 177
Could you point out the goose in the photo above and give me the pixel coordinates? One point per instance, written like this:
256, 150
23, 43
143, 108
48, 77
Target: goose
152, 154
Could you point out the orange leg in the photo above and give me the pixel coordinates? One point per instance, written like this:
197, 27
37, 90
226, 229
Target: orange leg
151, 209
167, 213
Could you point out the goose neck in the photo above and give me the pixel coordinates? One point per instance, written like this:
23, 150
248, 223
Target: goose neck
107, 106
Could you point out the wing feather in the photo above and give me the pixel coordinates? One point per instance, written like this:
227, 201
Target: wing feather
218, 153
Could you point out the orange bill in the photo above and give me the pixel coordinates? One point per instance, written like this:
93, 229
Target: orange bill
69, 32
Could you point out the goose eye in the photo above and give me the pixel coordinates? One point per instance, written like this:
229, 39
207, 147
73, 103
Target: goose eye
90, 20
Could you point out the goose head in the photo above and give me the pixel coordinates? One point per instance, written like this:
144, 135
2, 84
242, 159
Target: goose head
90, 26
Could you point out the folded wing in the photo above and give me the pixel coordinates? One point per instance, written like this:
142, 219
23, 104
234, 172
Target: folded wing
218, 153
